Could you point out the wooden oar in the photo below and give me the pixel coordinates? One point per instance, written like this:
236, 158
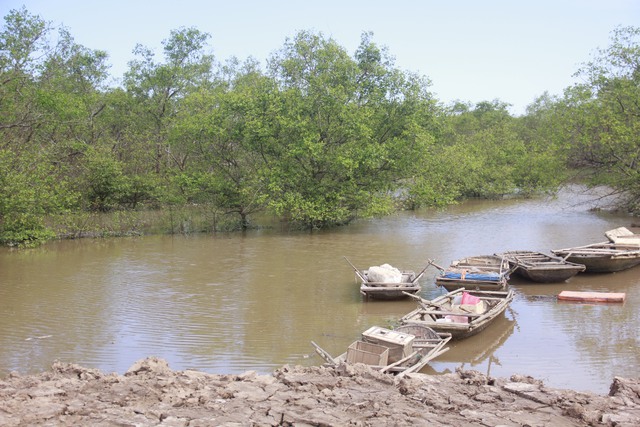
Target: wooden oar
422, 272
324, 354
364, 279
423, 302
437, 266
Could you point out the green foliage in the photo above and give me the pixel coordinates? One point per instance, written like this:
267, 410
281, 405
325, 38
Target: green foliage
436, 186
155, 91
24, 231
351, 131
139, 190
27, 194
105, 183
227, 134
602, 117
489, 154
319, 139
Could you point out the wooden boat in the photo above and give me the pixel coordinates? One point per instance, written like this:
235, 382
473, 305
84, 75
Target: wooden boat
483, 272
401, 351
604, 257
461, 313
408, 281
540, 267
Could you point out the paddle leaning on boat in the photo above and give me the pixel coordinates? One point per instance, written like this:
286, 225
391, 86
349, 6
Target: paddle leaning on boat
386, 282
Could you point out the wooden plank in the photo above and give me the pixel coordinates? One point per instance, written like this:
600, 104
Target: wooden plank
399, 362
623, 235
591, 296
450, 313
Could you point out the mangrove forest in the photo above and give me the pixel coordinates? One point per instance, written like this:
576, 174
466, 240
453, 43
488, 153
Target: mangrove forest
316, 137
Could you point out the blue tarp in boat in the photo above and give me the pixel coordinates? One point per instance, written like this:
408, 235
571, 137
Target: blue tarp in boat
488, 277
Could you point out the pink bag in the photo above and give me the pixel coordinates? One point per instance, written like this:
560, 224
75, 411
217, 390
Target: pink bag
467, 298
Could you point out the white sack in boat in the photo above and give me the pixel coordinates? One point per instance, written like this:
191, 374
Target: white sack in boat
384, 274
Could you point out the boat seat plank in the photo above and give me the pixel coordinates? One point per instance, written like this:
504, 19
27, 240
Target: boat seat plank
449, 313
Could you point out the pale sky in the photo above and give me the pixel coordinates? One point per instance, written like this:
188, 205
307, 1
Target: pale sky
471, 50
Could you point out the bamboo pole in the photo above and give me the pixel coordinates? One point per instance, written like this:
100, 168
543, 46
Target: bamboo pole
364, 279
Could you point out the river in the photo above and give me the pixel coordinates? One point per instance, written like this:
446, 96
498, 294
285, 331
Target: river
229, 303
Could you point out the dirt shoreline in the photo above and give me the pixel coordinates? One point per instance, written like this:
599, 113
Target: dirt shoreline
151, 394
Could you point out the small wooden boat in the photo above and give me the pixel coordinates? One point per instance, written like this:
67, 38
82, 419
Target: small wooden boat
602, 257
371, 286
461, 313
540, 267
483, 272
401, 351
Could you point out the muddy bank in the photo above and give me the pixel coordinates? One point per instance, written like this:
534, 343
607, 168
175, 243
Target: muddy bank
151, 394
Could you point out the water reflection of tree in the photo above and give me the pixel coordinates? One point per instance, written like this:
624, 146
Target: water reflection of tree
604, 335
482, 348
489, 352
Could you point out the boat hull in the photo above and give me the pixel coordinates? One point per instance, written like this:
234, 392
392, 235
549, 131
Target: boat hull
388, 292
478, 285
484, 273
542, 268
547, 275
605, 264
602, 257
427, 345
432, 313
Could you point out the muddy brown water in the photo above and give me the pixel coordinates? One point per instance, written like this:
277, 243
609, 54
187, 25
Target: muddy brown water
255, 301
